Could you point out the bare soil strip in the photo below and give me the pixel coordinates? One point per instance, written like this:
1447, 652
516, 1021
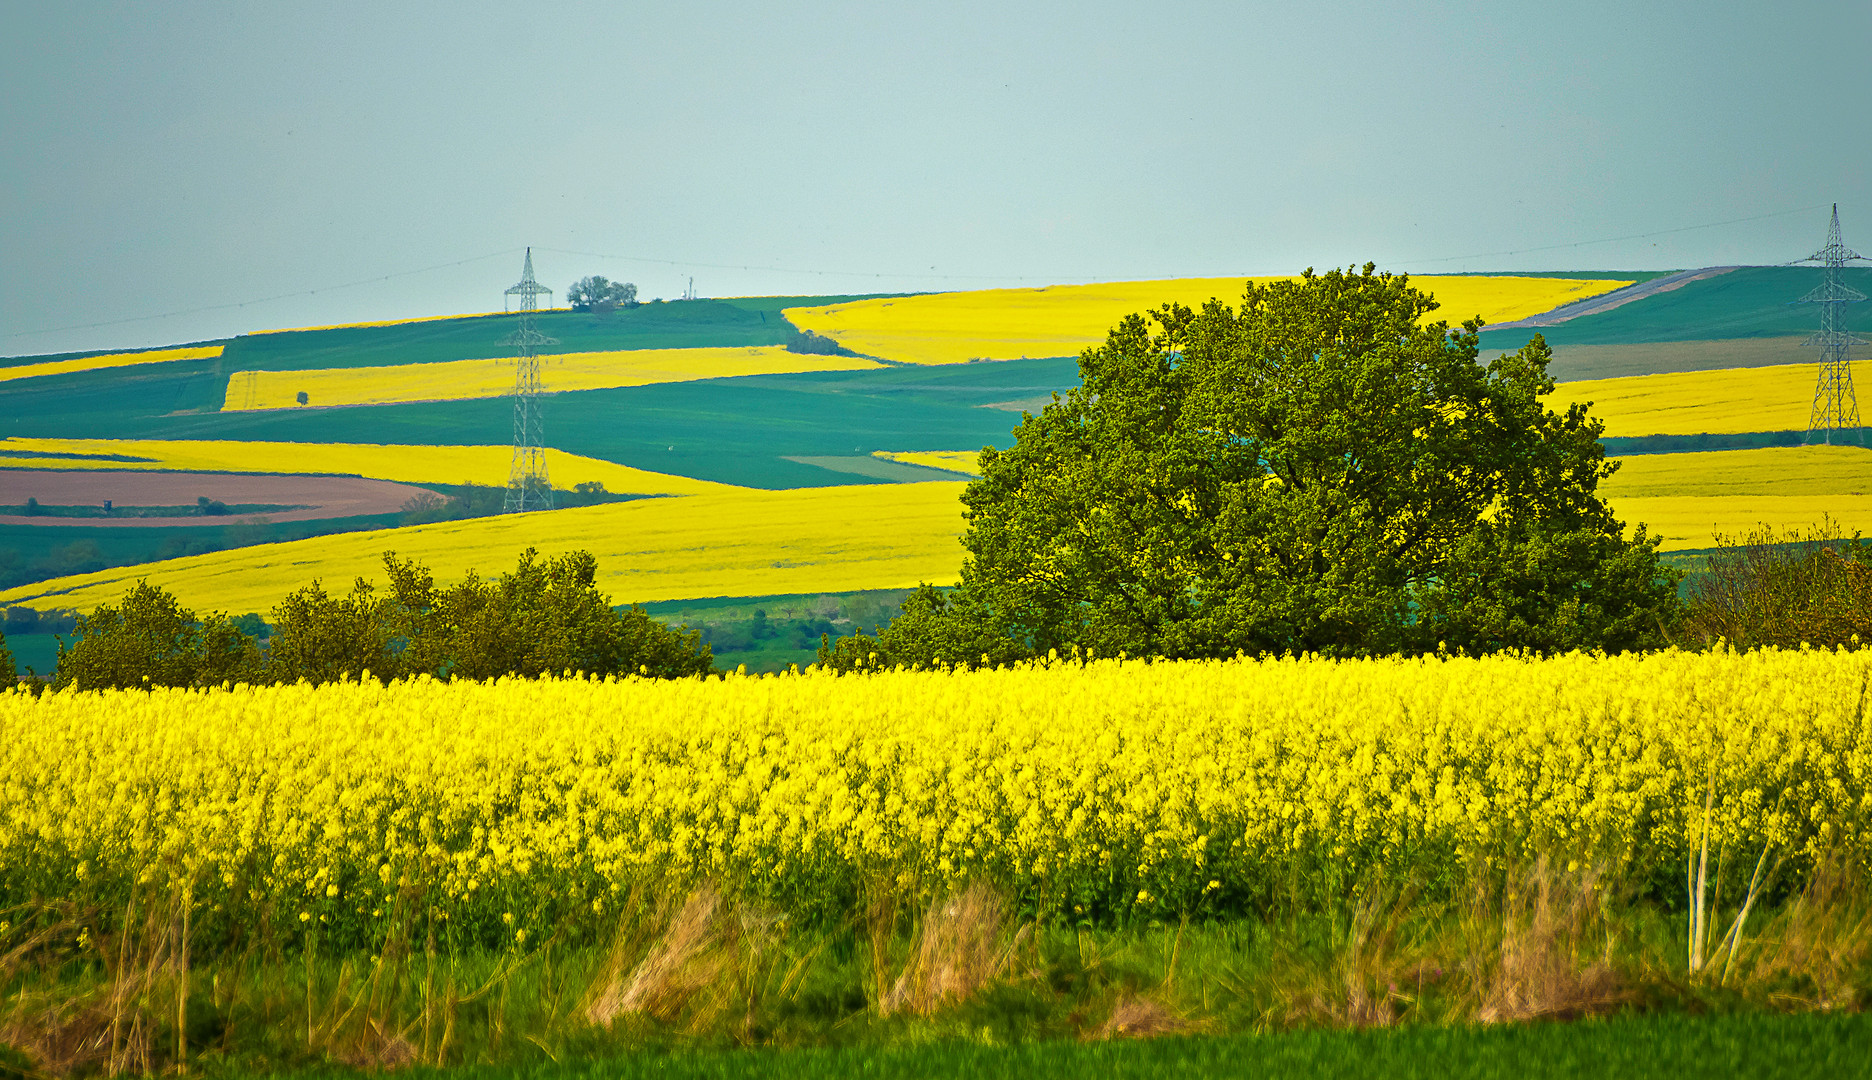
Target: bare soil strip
321, 496
1617, 298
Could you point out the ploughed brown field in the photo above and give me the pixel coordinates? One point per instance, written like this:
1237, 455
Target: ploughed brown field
315, 496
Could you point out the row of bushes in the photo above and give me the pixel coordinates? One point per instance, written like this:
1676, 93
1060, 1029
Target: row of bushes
546, 617
1768, 588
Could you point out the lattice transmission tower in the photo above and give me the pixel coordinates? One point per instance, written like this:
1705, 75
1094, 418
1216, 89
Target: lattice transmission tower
528, 487
1835, 406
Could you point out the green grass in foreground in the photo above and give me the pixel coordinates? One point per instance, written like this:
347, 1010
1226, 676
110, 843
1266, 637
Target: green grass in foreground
1756, 1046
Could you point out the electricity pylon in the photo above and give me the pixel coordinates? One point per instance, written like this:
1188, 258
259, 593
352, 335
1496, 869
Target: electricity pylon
1835, 406
528, 487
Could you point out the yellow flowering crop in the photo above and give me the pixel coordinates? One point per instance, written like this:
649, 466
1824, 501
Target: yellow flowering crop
95, 363
404, 464
1687, 498
1061, 320
460, 379
731, 542
962, 461
1061, 780
1777, 398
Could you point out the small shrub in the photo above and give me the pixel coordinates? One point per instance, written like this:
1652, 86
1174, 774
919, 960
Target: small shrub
1785, 589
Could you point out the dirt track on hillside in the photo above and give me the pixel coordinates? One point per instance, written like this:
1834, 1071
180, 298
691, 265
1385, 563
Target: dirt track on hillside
1617, 298
321, 496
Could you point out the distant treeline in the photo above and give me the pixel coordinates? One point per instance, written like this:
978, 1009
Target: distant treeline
461, 502
545, 618
805, 341
1616, 446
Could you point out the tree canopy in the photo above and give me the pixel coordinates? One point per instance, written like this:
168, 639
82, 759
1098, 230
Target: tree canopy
600, 293
1316, 470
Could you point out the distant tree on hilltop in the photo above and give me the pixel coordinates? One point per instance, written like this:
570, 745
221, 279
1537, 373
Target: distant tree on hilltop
597, 293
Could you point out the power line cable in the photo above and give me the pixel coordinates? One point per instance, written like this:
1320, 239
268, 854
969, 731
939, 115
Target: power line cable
874, 275
795, 270
1616, 239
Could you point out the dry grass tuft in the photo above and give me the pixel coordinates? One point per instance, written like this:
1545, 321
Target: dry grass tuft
711, 958
679, 964
962, 946
1542, 969
1145, 1018
1811, 953
108, 1028
1346, 991
379, 1050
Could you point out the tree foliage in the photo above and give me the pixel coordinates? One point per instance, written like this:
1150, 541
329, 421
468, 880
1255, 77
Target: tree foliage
545, 618
323, 638
9, 671
150, 639
1316, 470
599, 293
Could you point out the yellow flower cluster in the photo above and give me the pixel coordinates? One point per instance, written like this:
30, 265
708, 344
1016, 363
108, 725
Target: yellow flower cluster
1069, 782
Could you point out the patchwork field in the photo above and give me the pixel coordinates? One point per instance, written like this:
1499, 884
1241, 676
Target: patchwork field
407, 464
457, 380
104, 361
1062, 320
296, 498
700, 401
731, 543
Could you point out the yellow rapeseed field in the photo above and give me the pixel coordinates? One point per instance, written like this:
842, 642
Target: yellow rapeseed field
1688, 523
1152, 786
1689, 498
1061, 320
962, 461
730, 542
111, 360
1778, 398
460, 379
1775, 470
404, 464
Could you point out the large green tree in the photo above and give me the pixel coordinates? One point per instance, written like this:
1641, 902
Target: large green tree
1318, 469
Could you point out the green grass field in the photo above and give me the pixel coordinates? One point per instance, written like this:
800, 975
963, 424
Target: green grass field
1637, 1047
1756, 301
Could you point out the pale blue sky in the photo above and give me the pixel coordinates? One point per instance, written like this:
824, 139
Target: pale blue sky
162, 157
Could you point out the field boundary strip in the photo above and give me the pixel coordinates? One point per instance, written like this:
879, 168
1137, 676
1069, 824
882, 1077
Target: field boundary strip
458, 380
1063, 320
109, 360
404, 464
